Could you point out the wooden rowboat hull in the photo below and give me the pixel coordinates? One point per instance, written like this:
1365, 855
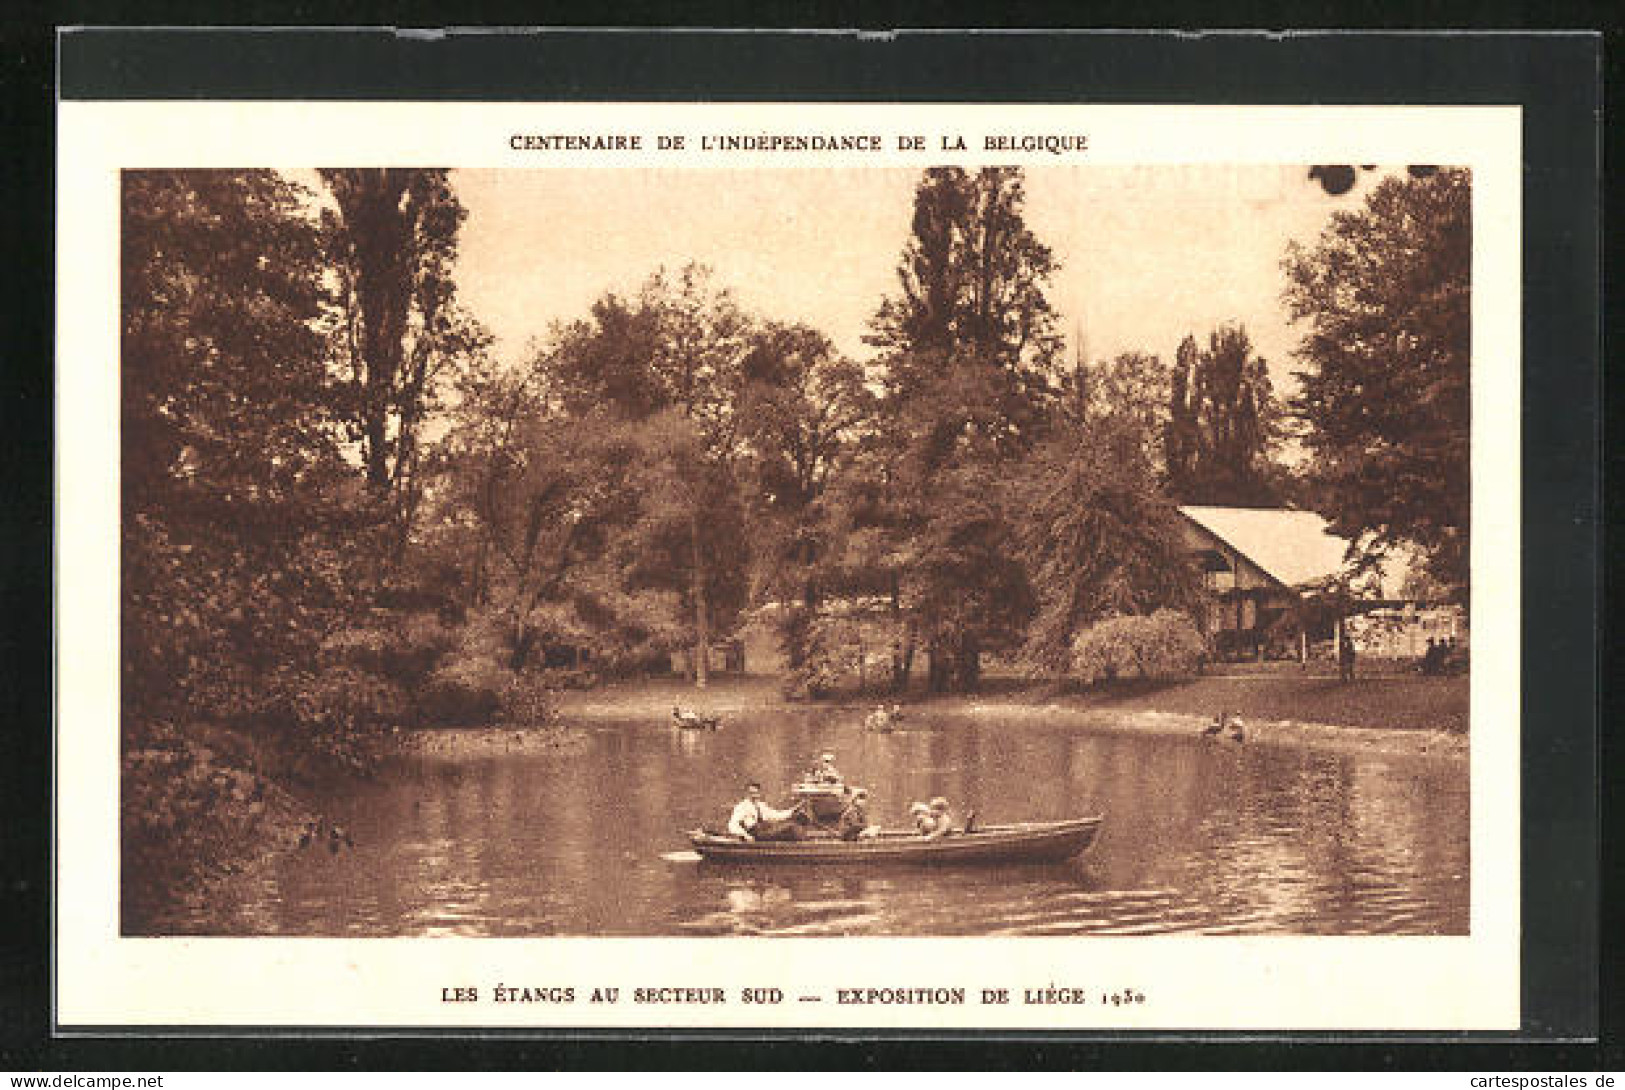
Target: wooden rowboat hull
1038, 841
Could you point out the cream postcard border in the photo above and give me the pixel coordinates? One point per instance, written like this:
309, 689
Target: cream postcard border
1196, 983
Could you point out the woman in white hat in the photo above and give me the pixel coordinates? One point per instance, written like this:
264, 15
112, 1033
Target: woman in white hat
920, 814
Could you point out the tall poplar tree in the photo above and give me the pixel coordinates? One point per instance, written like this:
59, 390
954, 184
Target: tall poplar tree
1222, 422
391, 236
970, 353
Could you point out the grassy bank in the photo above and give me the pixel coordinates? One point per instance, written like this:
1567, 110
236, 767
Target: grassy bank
1395, 703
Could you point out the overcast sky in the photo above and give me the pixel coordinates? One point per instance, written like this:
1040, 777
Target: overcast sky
1146, 254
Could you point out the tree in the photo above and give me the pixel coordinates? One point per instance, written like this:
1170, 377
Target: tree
972, 279
690, 539
391, 234
965, 581
1129, 394
869, 525
1221, 423
236, 500
969, 354
1097, 537
483, 450
802, 407
1385, 293
1183, 438
669, 362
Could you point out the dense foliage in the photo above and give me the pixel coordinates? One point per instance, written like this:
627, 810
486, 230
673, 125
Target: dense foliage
241, 515
341, 513
665, 372
1221, 424
276, 368
1385, 294
1098, 538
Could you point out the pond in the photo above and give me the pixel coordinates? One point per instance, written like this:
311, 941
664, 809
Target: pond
480, 835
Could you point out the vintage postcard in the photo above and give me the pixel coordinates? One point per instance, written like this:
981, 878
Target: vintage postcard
580, 566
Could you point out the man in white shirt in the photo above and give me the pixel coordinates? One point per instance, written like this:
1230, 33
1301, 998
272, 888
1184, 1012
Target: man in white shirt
752, 819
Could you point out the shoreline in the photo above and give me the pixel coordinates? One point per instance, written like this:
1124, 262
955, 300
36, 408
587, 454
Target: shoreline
1033, 710
1282, 733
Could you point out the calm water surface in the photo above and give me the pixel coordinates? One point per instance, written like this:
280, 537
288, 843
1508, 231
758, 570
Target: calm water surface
1200, 837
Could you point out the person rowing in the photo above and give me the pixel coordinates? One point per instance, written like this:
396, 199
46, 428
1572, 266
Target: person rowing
753, 819
688, 719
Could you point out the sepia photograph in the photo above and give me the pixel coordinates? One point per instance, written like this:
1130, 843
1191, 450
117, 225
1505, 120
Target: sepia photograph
964, 549
1053, 549
969, 567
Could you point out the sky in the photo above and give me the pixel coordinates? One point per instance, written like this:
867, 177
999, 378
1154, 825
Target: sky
1146, 254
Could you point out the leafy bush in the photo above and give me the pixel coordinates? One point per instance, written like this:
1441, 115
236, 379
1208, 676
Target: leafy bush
465, 687
1164, 644
187, 811
473, 684
341, 713
526, 700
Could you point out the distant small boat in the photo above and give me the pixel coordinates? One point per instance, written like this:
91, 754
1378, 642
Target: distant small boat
1032, 841
883, 720
687, 719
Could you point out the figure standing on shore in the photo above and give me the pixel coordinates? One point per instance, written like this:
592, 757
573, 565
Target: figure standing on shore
1345, 654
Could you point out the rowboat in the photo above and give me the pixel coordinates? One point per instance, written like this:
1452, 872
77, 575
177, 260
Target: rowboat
1030, 841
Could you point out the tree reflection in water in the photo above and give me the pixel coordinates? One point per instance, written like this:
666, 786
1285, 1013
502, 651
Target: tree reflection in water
1200, 837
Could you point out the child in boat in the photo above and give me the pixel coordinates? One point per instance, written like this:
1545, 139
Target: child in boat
942, 821
825, 772
854, 821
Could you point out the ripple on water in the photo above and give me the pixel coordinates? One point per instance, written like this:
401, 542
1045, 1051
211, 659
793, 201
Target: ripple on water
853, 924
475, 836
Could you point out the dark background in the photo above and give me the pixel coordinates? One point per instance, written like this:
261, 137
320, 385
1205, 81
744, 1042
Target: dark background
1556, 78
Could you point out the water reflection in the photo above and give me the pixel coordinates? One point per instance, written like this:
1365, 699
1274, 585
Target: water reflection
1200, 837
